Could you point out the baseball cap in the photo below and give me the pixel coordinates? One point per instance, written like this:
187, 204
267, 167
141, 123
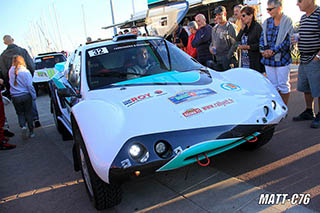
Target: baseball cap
219, 9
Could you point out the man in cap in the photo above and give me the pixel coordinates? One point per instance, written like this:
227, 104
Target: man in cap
223, 37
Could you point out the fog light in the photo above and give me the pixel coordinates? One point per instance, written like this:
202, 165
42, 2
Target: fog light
137, 173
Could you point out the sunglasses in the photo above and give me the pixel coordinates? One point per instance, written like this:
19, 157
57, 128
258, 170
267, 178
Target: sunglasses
271, 8
244, 15
299, 1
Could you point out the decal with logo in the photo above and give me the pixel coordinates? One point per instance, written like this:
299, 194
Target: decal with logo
191, 112
131, 101
188, 95
230, 87
217, 104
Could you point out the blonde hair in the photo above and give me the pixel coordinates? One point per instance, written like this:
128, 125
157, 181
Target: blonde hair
17, 61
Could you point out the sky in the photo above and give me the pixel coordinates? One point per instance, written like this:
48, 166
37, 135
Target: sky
22, 19
32, 22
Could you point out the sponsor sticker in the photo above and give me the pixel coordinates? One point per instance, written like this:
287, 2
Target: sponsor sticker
189, 95
125, 163
218, 104
133, 100
42, 74
230, 87
191, 112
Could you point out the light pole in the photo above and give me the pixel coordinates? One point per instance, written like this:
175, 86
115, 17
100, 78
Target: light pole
111, 6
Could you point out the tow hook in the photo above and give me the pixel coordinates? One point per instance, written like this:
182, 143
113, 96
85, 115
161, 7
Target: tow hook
254, 139
203, 164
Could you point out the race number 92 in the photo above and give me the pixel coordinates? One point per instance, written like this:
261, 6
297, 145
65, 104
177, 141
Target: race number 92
98, 51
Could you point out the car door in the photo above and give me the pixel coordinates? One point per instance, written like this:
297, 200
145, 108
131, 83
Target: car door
71, 81
162, 20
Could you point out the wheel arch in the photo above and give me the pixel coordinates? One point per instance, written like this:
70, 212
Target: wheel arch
100, 129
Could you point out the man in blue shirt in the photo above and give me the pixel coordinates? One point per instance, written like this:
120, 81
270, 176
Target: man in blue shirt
202, 40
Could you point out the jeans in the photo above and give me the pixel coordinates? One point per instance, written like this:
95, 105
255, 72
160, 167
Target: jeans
23, 107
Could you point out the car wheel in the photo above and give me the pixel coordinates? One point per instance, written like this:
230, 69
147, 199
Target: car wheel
262, 140
103, 195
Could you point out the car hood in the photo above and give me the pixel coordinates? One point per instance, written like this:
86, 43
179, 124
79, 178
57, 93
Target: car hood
184, 103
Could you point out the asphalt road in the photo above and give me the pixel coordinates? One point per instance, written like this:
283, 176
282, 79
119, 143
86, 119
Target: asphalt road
38, 175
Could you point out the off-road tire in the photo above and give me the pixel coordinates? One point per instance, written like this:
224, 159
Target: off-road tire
104, 195
263, 139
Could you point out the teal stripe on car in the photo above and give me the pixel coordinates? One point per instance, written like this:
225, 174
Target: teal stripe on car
167, 77
217, 146
58, 83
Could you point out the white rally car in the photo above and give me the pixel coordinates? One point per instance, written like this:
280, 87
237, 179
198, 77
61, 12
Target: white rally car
138, 106
44, 68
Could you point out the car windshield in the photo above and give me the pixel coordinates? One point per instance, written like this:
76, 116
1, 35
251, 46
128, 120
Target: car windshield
116, 63
48, 61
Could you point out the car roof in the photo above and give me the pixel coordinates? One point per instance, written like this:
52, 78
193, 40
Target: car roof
96, 44
48, 54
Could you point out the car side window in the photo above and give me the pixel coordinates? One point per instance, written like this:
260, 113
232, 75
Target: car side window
74, 71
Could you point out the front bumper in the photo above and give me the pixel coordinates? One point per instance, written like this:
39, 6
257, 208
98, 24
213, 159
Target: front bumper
205, 142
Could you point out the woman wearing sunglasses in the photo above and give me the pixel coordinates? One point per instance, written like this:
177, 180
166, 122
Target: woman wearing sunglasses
248, 40
275, 48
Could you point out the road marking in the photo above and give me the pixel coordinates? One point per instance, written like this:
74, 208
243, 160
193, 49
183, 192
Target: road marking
38, 191
50, 125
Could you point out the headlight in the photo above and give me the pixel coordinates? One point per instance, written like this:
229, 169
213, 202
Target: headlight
139, 153
163, 149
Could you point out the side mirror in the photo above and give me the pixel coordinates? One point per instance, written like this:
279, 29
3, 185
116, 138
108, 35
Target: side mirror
67, 92
60, 66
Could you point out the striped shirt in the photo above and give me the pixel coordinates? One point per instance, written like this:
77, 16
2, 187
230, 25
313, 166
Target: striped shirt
309, 36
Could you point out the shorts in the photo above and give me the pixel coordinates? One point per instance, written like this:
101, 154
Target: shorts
279, 77
309, 78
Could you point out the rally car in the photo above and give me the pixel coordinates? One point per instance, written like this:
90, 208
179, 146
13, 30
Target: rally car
139, 105
44, 68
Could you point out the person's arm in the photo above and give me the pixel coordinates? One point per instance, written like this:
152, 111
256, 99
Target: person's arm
184, 37
256, 34
283, 47
29, 86
202, 37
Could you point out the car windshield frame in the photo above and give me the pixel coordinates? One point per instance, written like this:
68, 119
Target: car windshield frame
106, 61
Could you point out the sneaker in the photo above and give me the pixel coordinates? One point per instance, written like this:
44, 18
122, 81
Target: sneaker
4, 145
306, 115
37, 123
316, 122
31, 135
24, 132
7, 133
